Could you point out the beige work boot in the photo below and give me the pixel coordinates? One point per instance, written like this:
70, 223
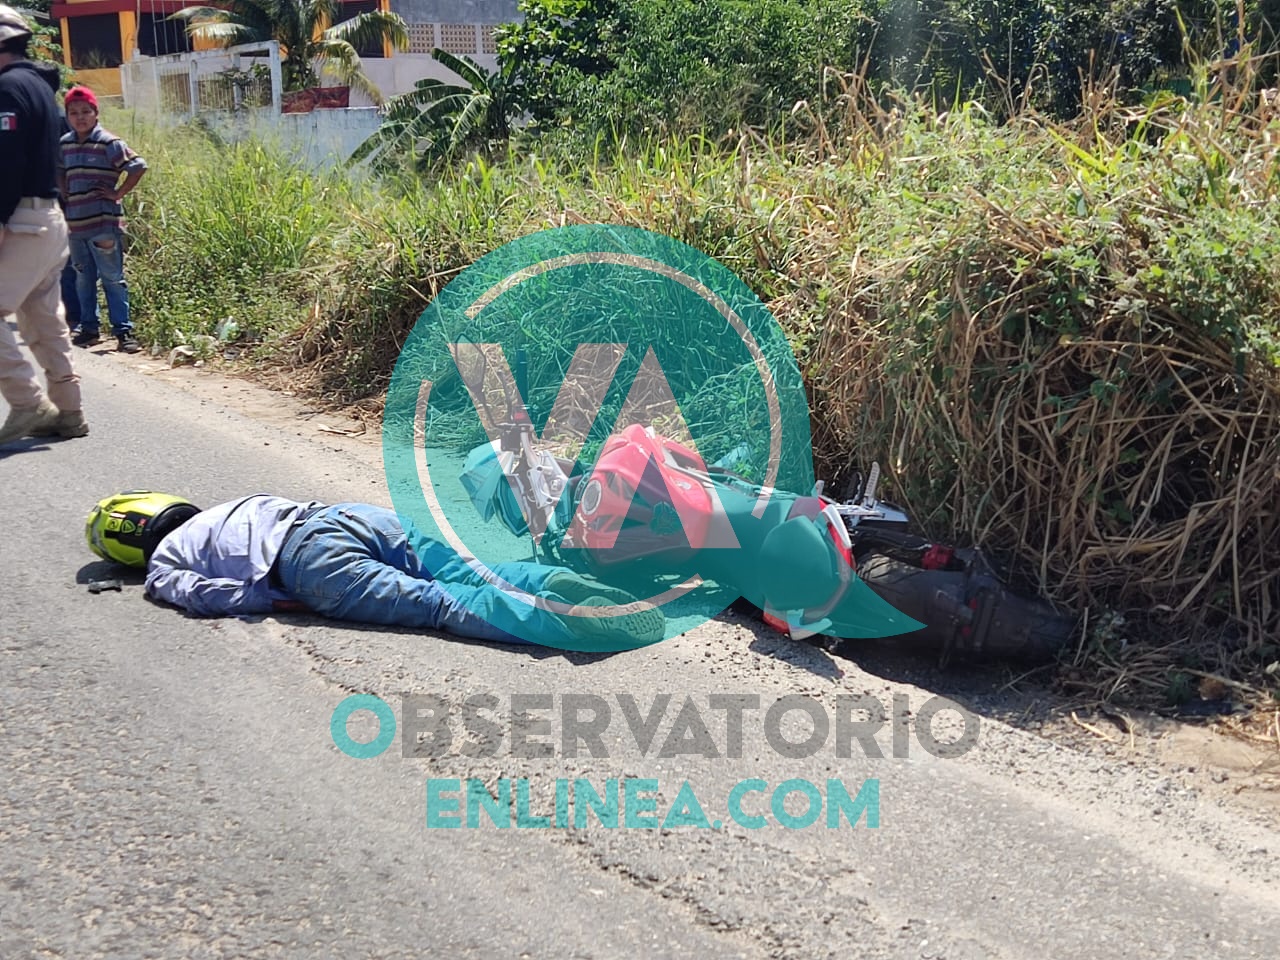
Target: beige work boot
70, 423
27, 421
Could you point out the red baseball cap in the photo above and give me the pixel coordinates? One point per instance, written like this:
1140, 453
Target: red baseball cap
83, 95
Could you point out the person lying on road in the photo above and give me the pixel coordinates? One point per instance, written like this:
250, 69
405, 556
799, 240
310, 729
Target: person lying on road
355, 562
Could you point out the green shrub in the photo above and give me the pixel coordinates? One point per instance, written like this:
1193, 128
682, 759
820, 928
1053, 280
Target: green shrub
224, 230
1060, 342
619, 67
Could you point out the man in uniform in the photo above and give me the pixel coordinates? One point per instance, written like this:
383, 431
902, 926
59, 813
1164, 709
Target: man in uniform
33, 248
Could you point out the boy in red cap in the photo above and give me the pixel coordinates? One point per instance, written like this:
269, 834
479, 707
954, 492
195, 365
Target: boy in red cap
99, 170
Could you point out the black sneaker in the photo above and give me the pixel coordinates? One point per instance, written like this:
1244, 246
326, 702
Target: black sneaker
87, 338
128, 344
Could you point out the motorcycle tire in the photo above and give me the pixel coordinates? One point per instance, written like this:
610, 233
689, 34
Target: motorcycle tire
968, 612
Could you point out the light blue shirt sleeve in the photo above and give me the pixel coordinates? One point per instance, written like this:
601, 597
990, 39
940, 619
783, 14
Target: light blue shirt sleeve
202, 596
219, 562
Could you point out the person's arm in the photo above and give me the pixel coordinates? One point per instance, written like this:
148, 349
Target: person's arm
202, 596
122, 190
127, 162
62, 169
13, 156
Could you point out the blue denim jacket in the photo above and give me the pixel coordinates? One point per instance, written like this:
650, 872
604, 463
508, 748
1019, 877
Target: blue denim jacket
219, 562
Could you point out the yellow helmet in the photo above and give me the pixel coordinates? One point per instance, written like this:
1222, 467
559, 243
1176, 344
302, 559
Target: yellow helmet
129, 526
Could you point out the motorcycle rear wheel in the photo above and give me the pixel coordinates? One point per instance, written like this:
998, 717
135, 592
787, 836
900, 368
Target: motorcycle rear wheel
968, 612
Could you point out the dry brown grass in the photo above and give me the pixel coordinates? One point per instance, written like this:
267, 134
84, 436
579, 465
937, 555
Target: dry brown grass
1087, 425
1053, 337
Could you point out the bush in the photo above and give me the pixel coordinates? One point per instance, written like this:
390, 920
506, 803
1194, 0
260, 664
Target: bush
1062, 342
225, 230
620, 67
626, 66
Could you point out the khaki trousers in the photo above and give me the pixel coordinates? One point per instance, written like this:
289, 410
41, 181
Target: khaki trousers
32, 252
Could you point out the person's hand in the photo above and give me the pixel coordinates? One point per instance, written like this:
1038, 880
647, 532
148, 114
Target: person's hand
106, 193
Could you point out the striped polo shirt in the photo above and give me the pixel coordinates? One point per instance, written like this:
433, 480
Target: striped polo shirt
97, 161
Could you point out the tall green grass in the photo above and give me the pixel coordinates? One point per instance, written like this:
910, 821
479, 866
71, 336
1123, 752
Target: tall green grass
226, 231
1007, 315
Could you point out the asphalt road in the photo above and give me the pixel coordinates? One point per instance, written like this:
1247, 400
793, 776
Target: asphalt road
170, 787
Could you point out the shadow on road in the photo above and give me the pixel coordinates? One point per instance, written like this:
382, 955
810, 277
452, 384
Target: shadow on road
27, 445
98, 571
1016, 694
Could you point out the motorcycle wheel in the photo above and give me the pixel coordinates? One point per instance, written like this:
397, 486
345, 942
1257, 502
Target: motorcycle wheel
968, 612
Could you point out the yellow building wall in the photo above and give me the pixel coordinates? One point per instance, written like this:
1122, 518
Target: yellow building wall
128, 34
66, 41
104, 82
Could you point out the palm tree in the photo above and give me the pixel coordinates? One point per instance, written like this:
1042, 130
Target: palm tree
309, 42
439, 121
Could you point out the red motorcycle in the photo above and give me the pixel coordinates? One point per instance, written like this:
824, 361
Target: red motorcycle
650, 507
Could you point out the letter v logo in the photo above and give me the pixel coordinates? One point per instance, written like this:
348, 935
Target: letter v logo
582, 303
496, 397
493, 390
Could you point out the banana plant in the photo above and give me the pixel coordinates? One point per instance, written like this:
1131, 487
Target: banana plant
438, 121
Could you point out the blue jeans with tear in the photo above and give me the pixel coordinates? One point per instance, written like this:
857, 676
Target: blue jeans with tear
353, 561
102, 258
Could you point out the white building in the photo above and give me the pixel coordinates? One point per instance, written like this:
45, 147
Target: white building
457, 26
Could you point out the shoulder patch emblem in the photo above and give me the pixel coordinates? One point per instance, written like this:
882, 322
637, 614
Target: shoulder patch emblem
8, 122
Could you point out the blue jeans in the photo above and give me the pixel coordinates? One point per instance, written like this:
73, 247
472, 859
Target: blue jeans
353, 561
102, 258
71, 294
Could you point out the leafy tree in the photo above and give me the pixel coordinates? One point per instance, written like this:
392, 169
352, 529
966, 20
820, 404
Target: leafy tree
438, 121
585, 67
952, 46
613, 65
553, 46
309, 40
46, 40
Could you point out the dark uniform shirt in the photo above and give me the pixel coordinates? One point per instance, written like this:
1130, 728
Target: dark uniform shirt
29, 132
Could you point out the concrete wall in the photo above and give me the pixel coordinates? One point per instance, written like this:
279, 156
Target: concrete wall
318, 139
324, 137
455, 11
398, 74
